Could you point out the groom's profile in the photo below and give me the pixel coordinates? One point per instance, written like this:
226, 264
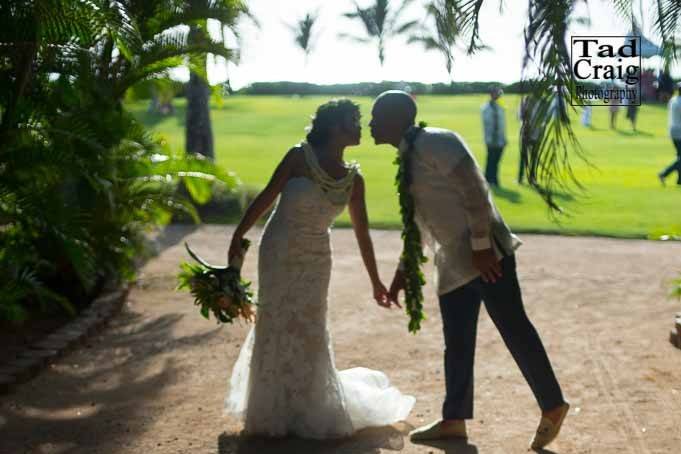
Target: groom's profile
474, 261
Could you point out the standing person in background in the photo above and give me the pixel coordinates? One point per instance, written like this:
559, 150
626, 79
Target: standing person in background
494, 126
613, 115
586, 116
675, 133
632, 110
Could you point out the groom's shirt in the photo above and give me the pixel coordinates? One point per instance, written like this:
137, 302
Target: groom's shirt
454, 209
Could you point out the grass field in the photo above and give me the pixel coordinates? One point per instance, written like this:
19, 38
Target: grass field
623, 195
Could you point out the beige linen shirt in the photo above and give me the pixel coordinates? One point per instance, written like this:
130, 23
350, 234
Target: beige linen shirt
453, 207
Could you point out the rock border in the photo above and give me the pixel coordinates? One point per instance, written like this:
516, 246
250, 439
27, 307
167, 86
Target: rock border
36, 357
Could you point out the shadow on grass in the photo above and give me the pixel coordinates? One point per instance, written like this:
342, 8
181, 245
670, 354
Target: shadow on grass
508, 194
367, 441
102, 409
152, 119
634, 133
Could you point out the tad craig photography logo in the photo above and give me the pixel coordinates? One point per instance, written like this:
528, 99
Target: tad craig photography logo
606, 70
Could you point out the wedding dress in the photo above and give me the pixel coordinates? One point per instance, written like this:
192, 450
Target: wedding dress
284, 381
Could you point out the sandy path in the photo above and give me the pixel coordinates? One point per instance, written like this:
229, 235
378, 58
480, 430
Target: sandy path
154, 381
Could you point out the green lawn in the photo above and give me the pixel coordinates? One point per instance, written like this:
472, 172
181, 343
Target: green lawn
623, 196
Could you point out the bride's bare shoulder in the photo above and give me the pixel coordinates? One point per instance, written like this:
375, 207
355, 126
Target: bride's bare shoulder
295, 160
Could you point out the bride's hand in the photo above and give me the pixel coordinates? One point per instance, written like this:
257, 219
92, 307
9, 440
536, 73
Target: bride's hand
235, 249
381, 294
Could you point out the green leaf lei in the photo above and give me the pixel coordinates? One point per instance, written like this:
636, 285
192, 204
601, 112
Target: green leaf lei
412, 252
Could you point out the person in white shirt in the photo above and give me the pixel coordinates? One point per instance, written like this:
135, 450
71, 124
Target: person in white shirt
494, 127
474, 261
675, 133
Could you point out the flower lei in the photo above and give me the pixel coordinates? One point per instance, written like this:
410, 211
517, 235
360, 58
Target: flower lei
412, 251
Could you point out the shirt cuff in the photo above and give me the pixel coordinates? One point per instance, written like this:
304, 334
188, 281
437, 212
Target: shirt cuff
479, 244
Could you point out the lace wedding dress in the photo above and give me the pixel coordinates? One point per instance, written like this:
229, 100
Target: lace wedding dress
285, 381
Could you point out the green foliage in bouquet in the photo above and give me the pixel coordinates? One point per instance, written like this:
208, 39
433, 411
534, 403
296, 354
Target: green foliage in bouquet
412, 251
218, 289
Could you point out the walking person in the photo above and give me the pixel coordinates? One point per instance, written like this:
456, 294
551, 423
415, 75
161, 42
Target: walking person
632, 113
613, 109
494, 126
675, 133
475, 261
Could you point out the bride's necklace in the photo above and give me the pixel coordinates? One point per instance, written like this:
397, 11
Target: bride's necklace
336, 190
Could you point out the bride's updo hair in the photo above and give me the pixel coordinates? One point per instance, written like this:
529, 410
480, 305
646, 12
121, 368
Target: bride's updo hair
327, 116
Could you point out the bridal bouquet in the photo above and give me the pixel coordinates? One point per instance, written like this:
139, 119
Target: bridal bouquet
218, 289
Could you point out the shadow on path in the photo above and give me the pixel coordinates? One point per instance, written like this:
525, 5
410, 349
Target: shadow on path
118, 394
367, 441
451, 447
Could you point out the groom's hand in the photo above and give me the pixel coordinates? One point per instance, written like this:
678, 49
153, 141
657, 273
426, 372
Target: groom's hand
486, 262
395, 287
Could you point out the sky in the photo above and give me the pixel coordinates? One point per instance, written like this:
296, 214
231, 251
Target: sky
268, 52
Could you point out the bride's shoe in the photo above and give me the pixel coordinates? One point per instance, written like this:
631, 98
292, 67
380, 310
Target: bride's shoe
439, 431
547, 430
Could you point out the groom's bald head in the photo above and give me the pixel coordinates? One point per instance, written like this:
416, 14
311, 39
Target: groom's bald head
393, 113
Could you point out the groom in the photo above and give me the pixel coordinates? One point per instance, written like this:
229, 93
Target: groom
475, 261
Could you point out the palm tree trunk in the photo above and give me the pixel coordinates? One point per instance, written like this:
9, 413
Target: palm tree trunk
198, 129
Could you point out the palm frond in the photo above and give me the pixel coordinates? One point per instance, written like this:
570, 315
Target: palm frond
667, 24
468, 13
548, 137
122, 29
428, 42
407, 26
380, 22
303, 31
357, 39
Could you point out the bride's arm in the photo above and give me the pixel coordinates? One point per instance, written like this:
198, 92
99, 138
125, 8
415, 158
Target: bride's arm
360, 224
263, 201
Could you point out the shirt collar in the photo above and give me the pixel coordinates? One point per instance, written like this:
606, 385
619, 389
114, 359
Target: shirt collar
403, 143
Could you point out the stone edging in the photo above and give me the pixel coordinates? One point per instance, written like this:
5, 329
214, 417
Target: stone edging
36, 357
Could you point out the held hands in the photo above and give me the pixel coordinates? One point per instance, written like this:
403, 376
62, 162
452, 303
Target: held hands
395, 287
381, 294
486, 262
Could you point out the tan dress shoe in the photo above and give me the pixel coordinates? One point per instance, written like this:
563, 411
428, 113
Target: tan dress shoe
547, 430
439, 431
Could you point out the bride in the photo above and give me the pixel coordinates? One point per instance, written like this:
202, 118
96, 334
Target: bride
285, 381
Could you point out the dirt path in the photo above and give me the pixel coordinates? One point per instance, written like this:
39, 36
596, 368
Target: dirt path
154, 381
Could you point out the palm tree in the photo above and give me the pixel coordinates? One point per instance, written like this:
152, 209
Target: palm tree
303, 34
446, 32
380, 23
198, 128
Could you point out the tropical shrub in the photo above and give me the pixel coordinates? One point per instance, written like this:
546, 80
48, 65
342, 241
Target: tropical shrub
81, 181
